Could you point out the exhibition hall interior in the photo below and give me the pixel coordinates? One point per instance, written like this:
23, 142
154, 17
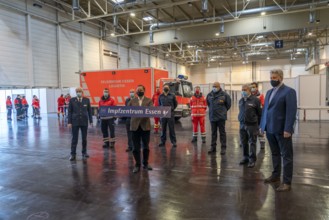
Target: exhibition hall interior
164, 109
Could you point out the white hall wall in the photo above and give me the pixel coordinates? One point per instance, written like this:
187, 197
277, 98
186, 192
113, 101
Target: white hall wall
36, 52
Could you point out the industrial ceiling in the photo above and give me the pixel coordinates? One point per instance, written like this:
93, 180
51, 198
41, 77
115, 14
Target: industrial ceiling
209, 31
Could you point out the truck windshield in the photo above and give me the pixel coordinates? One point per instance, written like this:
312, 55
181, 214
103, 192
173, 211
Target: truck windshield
187, 89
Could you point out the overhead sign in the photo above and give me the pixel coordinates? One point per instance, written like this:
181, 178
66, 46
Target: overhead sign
278, 44
135, 111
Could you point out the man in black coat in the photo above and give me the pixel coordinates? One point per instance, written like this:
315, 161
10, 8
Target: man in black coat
219, 102
168, 99
250, 113
79, 112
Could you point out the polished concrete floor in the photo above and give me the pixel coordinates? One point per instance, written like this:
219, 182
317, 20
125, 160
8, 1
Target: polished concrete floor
37, 181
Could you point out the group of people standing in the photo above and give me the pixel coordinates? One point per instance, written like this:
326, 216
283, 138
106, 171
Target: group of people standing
62, 105
275, 114
21, 106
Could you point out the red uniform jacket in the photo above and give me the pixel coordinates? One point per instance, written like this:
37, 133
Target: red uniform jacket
198, 105
9, 104
61, 101
262, 100
36, 103
155, 99
107, 102
24, 102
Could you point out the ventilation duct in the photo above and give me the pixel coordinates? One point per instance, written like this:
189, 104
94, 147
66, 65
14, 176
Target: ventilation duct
75, 5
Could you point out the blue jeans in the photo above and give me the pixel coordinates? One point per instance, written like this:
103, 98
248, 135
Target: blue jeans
282, 151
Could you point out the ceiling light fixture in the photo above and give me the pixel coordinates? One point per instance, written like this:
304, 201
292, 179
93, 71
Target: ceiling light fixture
268, 58
263, 13
118, 1
217, 34
112, 34
132, 14
310, 34
148, 18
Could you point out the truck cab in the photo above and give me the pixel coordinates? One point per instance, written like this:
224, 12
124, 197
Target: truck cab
183, 90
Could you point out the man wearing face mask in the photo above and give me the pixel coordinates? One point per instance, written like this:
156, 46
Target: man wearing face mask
168, 99
79, 113
279, 115
141, 128
129, 132
255, 92
107, 123
219, 102
19, 108
155, 100
198, 106
249, 117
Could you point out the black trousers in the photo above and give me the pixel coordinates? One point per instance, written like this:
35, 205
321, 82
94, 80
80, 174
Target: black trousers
130, 134
248, 137
19, 113
107, 124
220, 125
282, 151
75, 136
141, 138
171, 124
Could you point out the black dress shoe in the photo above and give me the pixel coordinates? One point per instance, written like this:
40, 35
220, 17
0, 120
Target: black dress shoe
174, 145
244, 161
72, 158
194, 139
85, 156
161, 144
203, 140
136, 169
129, 149
212, 151
251, 164
105, 145
223, 151
147, 167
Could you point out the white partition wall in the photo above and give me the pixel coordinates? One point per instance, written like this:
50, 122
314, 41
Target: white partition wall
70, 61
91, 53
110, 62
44, 51
13, 49
145, 60
134, 59
123, 55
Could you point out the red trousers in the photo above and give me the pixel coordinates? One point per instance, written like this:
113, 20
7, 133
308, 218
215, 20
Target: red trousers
196, 120
60, 109
156, 124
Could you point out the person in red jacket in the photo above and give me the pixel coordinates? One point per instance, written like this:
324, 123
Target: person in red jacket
25, 108
67, 102
260, 96
60, 104
155, 100
9, 106
107, 122
18, 107
198, 107
36, 107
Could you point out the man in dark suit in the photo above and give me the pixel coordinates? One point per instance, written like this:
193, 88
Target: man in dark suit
141, 128
79, 112
279, 115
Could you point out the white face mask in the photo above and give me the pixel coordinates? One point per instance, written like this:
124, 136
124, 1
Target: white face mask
132, 95
79, 94
215, 89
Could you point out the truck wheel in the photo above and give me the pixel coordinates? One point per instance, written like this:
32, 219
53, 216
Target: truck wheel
177, 118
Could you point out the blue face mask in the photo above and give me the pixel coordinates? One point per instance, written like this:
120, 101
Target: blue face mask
244, 94
215, 89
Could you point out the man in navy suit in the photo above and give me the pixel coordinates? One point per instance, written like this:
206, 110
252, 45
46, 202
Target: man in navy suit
79, 112
279, 115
